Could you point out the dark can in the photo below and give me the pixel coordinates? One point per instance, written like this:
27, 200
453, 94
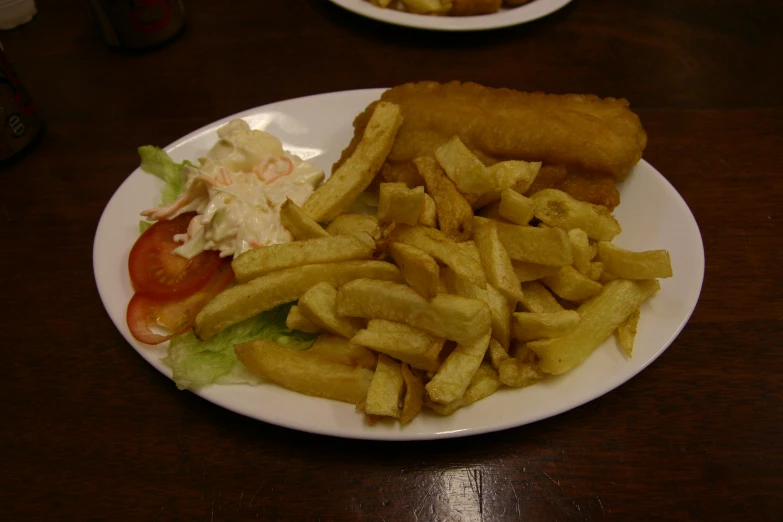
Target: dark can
138, 24
18, 114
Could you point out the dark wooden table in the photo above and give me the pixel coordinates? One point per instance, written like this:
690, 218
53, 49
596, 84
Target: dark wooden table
90, 431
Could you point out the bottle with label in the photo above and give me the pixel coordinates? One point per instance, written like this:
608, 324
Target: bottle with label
19, 120
138, 24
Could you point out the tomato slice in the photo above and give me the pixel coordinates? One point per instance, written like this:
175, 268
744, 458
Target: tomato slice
176, 316
159, 273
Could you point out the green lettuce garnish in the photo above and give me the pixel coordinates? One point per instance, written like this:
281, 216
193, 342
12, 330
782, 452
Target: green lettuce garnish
157, 162
195, 363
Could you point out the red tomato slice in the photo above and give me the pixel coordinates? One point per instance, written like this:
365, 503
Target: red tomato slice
177, 316
159, 273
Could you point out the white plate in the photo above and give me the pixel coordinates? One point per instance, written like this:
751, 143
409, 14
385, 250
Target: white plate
504, 18
652, 214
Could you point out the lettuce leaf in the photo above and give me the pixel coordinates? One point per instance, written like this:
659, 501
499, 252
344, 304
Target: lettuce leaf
195, 363
157, 162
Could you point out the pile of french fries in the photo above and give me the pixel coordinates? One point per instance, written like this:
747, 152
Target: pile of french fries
449, 7
450, 292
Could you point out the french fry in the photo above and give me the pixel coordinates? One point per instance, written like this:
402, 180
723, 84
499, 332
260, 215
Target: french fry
400, 204
497, 354
339, 349
403, 342
545, 246
318, 305
491, 211
518, 374
456, 372
296, 321
449, 316
260, 261
651, 264
357, 172
571, 285
350, 224
626, 332
508, 175
558, 209
298, 223
532, 271
414, 395
536, 298
580, 246
599, 317
386, 389
484, 383
594, 271
499, 307
515, 207
464, 169
240, 302
529, 326
304, 372
436, 244
418, 268
495, 260
429, 212
455, 215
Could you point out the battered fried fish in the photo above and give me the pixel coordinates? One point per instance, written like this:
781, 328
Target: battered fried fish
597, 140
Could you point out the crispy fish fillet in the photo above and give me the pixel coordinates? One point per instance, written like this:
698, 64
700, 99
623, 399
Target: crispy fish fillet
597, 140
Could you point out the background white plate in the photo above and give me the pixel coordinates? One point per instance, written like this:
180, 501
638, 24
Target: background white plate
652, 214
504, 18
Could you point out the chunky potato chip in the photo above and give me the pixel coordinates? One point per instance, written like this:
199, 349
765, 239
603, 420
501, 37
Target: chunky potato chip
599, 317
499, 307
558, 209
515, 207
429, 212
339, 349
518, 374
357, 172
455, 215
305, 372
484, 383
418, 268
296, 321
495, 260
651, 264
569, 284
529, 326
414, 395
626, 332
532, 271
449, 316
436, 244
386, 389
511, 175
456, 372
318, 305
536, 298
545, 246
403, 342
240, 302
299, 224
400, 204
350, 224
260, 261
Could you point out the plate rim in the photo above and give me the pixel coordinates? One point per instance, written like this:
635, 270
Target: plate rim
507, 17
209, 393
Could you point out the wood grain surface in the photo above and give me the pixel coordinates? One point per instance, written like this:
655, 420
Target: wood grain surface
90, 431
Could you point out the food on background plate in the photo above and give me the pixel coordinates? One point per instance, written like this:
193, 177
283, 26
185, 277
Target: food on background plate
449, 7
468, 277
